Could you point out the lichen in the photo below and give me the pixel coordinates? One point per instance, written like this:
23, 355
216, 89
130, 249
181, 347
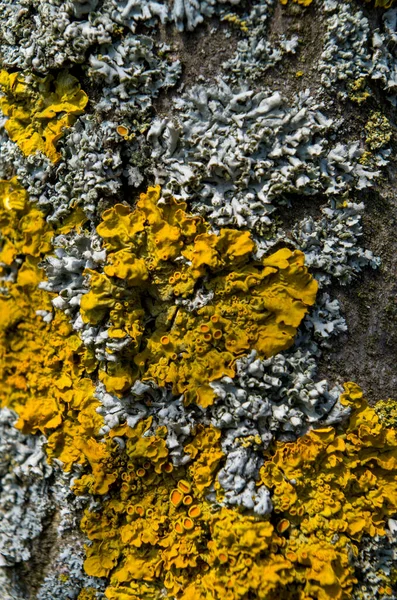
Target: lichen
39, 109
235, 154
382, 3
44, 371
302, 2
153, 354
333, 488
332, 243
157, 255
25, 503
375, 566
387, 412
44, 366
155, 506
66, 577
24, 231
379, 131
158, 534
358, 91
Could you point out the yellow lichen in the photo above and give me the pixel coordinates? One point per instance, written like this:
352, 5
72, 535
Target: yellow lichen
44, 366
376, 3
23, 229
382, 3
39, 109
387, 412
87, 594
334, 488
43, 371
147, 527
235, 20
357, 90
158, 254
302, 2
157, 535
378, 131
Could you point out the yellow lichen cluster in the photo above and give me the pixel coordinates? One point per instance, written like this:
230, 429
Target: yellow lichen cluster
303, 2
87, 594
151, 532
331, 489
44, 366
39, 109
157, 535
378, 131
157, 255
377, 3
357, 90
236, 21
23, 229
387, 412
43, 372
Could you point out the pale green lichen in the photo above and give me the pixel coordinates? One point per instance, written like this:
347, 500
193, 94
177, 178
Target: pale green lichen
387, 412
378, 131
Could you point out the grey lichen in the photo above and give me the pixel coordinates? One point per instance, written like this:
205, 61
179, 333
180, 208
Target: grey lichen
331, 243
353, 53
131, 73
255, 54
384, 56
376, 566
235, 154
346, 53
66, 578
25, 501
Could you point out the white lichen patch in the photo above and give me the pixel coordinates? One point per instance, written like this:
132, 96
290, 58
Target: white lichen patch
236, 154
24, 498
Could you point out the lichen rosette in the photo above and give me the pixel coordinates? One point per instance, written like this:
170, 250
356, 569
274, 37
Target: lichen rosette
160, 259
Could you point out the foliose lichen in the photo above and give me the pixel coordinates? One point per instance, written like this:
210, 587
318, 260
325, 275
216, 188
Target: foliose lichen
164, 354
39, 109
157, 255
